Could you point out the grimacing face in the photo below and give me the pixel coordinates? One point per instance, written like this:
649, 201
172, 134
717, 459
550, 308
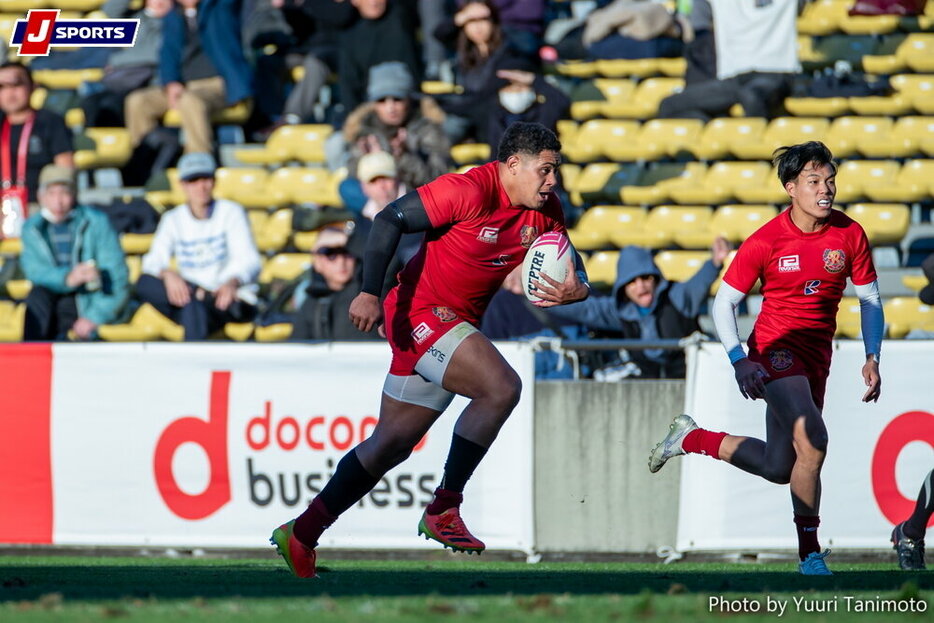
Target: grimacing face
813, 191
536, 177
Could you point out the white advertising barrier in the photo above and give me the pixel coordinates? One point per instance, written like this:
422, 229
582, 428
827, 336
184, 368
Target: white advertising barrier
214, 445
877, 456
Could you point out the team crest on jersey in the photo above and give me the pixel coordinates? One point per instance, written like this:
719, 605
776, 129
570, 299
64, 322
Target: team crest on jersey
446, 314
781, 359
527, 235
834, 260
489, 235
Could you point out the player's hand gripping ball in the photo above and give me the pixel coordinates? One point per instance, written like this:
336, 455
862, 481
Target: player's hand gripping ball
549, 255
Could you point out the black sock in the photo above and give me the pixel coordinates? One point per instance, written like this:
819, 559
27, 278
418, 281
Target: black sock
917, 524
349, 483
463, 458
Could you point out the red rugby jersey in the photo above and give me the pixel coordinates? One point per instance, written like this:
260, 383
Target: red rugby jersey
478, 237
803, 276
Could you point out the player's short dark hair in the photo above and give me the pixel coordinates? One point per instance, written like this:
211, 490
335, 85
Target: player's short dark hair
791, 160
23, 68
527, 138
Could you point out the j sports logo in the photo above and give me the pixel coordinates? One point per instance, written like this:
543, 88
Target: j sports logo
42, 30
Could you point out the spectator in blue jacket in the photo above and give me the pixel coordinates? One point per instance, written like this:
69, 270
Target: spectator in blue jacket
202, 69
645, 305
73, 258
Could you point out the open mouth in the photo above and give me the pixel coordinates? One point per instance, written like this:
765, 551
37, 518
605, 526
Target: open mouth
825, 203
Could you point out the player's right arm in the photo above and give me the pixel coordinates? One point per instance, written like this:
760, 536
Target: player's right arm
402, 216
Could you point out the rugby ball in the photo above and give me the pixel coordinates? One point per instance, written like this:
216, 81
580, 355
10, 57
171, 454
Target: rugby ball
548, 254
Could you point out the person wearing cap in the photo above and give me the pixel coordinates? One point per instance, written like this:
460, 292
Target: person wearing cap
394, 120
73, 258
217, 262
334, 280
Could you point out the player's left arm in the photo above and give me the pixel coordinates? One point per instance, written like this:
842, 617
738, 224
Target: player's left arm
872, 322
574, 288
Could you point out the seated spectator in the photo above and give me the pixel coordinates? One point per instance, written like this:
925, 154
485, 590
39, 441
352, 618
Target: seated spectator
523, 24
380, 182
29, 140
756, 57
644, 305
335, 279
476, 36
73, 258
395, 120
217, 261
202, 69
127, 69
523, 95
385, 31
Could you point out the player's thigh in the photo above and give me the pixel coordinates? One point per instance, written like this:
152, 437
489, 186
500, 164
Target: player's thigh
400, 417
790, 399
779, 442
478, 369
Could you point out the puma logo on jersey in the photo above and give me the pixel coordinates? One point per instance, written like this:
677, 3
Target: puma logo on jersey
789, 264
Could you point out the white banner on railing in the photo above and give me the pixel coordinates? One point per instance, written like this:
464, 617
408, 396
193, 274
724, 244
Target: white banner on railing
213, 445
877, 455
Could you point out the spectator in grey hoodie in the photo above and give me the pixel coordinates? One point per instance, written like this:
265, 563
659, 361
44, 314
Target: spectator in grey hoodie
645, 305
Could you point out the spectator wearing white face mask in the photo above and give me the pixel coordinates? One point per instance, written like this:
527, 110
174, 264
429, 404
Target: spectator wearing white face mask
524, 95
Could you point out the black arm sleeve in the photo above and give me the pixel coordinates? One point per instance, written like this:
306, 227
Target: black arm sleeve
405, 215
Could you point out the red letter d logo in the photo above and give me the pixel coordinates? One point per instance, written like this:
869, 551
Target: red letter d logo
210, 435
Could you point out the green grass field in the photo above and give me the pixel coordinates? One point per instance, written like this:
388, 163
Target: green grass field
43, 588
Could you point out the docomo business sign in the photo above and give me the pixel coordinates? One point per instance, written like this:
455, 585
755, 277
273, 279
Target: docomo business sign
877, 456
215, 445
42, 30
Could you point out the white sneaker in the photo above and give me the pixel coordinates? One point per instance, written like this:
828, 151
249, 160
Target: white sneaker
671, 445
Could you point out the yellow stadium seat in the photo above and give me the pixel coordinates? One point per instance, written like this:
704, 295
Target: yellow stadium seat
285, 266
884, 223
258, 220
680, 265
656, 139
601, 268
817, 106
469, 153
593, 177
771, 191
569, 173
577, 69
439, 87
926, 21
822, 17
919, 88
12, 319
782, 131
83, 6
136, 244
278, 332
146, 325
288, 143
111, 149
914, 182
567, 130
656, 185
134, 264
887, 60
304, 185
275, 231
905, 313
246, 186
612, 90
599, 223
721, 181
849, 320
854, 176
645, 99
845, 133
918, 52
662, 224
869, 24
738, 222
906, 139
674, 67
304, 240
914, 282
235, 114
893, 105
720, 135
68, 79
595, 135
624, 67
238, 331
829, 50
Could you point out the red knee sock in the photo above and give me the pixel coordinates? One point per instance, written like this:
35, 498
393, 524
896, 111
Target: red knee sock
702, 441
807, 534
311, 524
444, 499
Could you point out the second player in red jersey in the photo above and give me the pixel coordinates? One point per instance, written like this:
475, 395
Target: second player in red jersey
478, 227
803, 258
